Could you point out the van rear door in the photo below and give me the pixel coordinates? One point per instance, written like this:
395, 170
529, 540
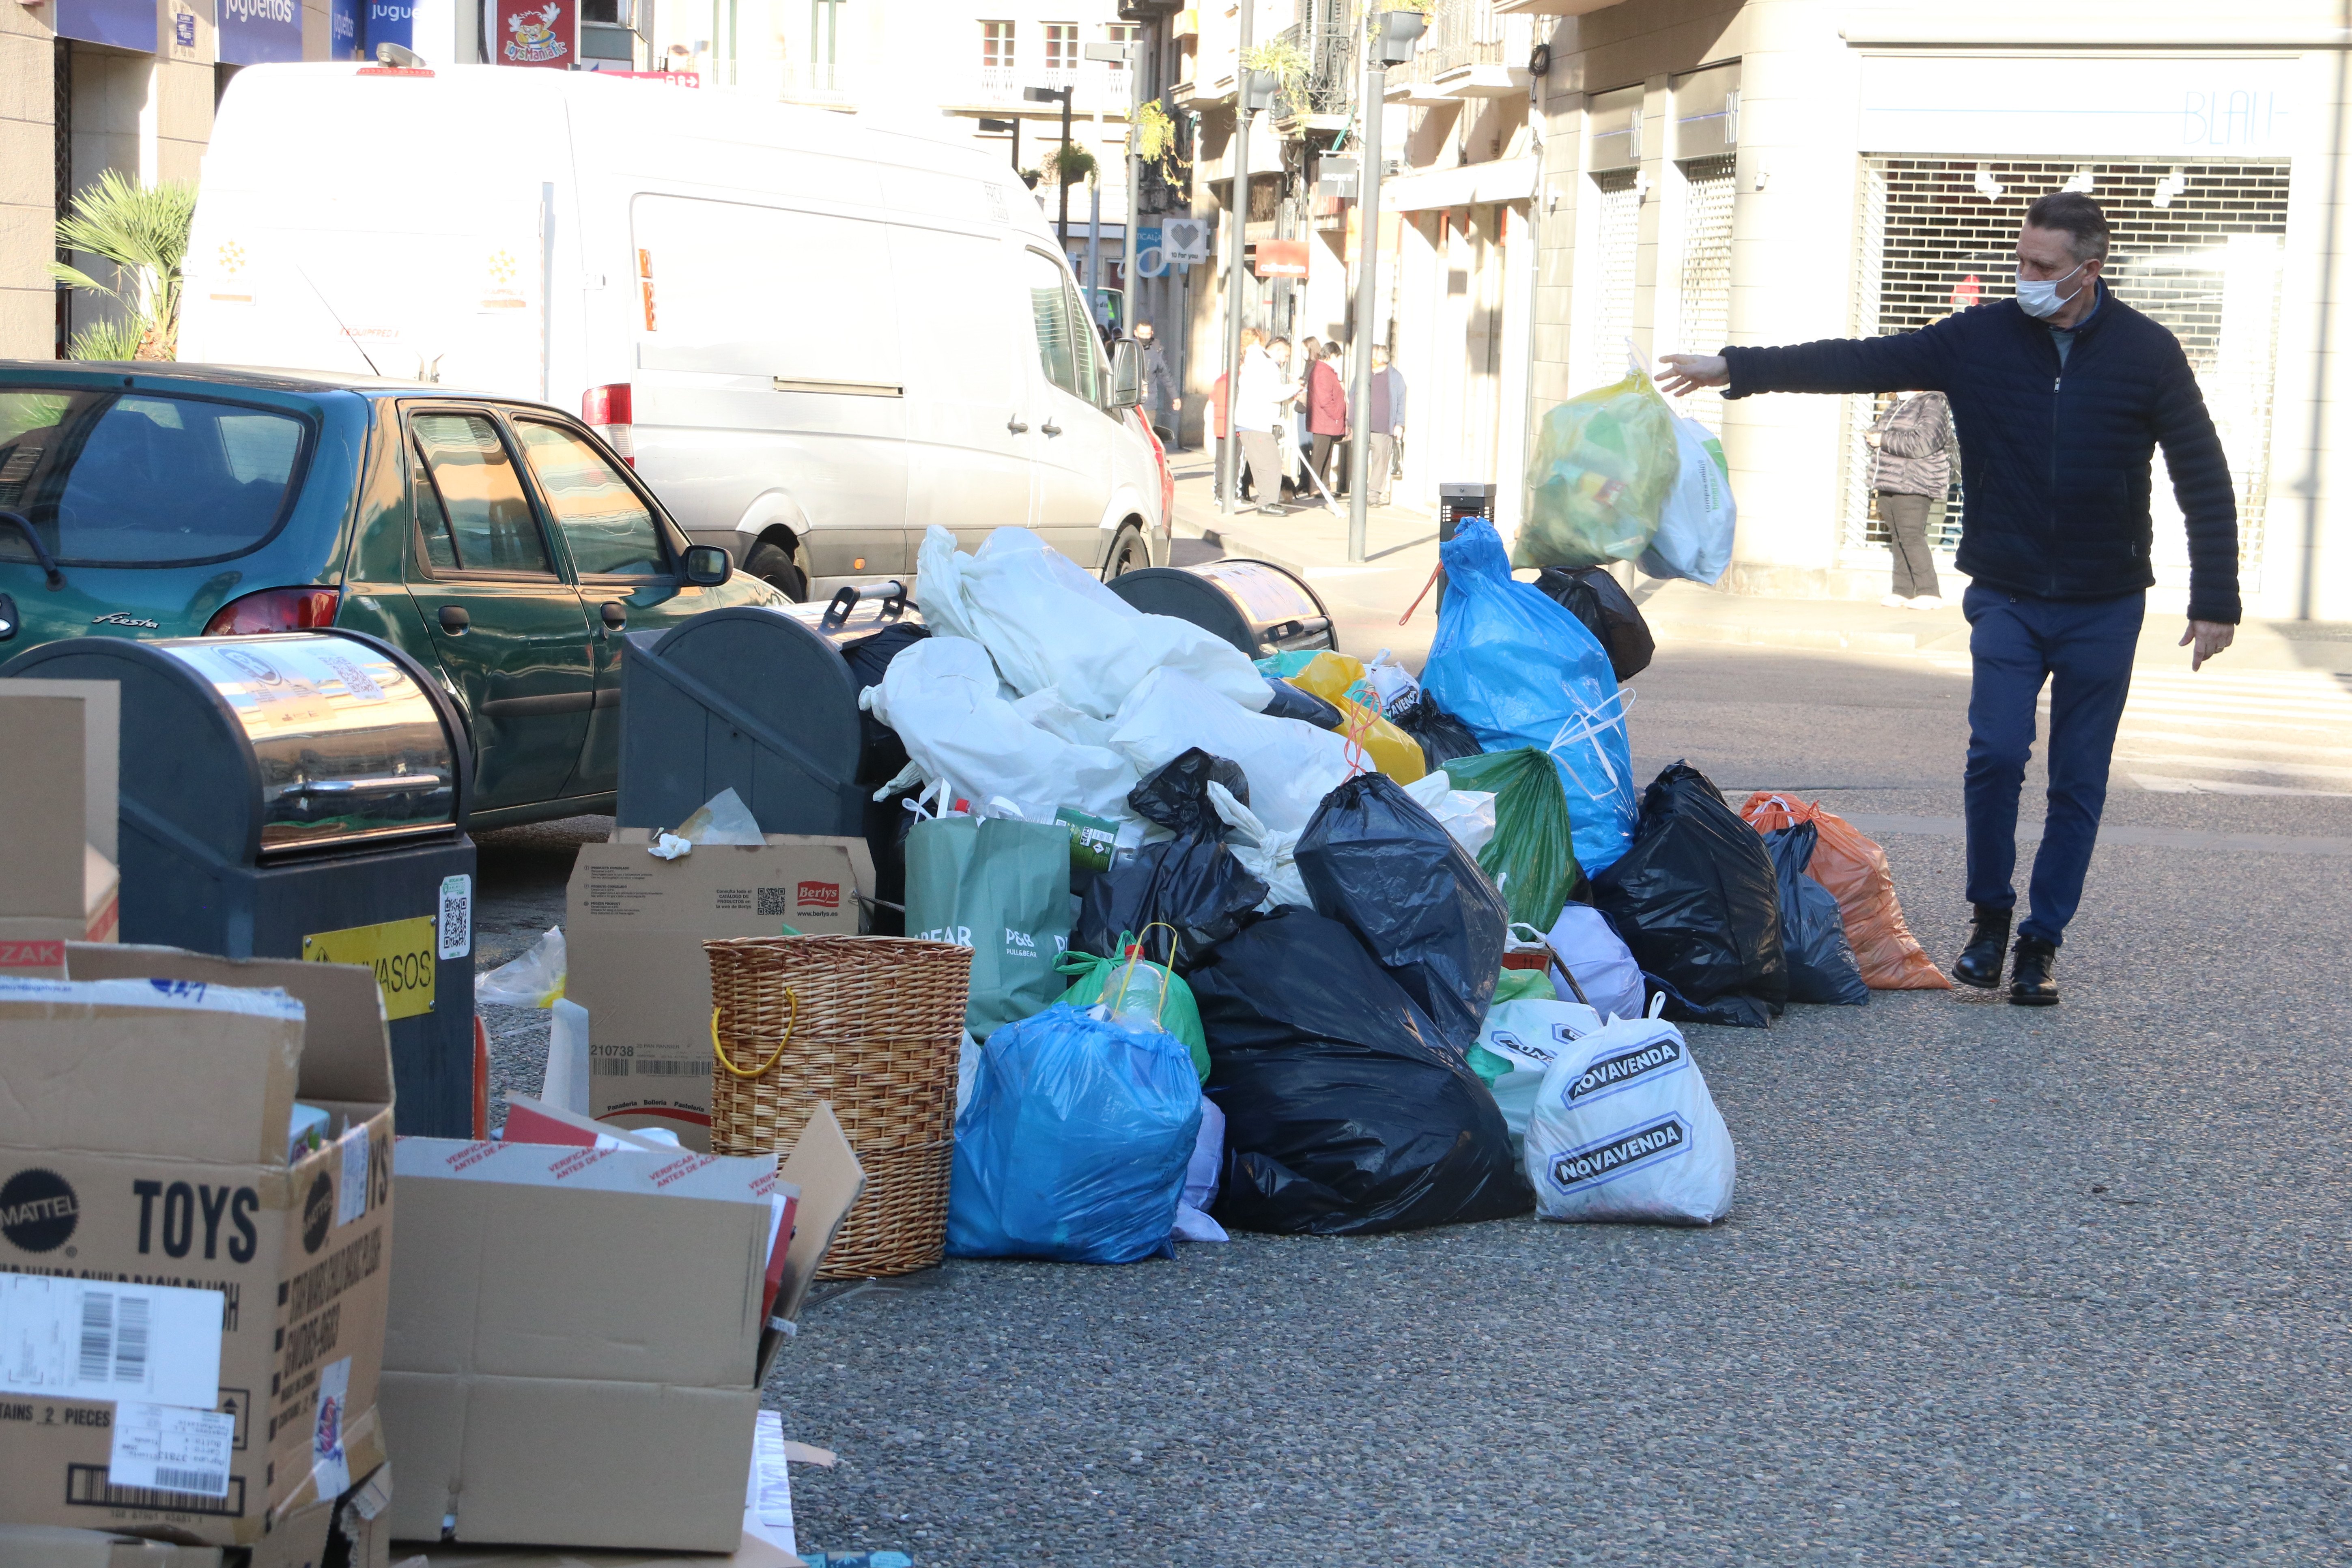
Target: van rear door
1071, 434
768, 359
964, 343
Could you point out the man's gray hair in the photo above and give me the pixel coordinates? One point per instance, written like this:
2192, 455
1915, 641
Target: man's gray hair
2085, 225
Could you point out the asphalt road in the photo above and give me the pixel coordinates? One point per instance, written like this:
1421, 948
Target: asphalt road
2001, 1286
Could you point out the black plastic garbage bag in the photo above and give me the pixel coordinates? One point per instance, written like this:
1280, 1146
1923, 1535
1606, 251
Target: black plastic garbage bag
1443, 737
1375, 860
1812, 933
1191, 882
1607, 612
1343, 1115
1290, 702
1697, 900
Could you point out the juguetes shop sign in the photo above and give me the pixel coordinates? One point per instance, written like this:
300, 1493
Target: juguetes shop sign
259, 10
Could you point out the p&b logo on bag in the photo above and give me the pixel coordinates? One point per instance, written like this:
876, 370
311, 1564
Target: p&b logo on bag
1615, 1072
1661, 1140
38, 1210
1019, 943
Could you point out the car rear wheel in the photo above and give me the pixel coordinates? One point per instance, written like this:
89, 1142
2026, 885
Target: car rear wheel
1128, 552
771, 564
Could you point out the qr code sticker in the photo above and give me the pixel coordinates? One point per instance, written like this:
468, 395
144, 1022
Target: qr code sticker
774, 901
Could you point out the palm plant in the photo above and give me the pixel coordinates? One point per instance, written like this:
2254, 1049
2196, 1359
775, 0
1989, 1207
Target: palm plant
1072, 164
144, 231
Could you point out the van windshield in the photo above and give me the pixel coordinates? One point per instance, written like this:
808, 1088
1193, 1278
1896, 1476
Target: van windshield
111, 477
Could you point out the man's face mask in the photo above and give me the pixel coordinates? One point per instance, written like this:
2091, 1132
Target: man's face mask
2041, 297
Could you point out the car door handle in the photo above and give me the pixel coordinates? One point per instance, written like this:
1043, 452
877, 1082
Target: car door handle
1050, 429
616, 613
1017, 426
454, 619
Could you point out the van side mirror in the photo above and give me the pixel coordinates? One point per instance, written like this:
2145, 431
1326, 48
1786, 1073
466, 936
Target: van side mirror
1126, 374
706, 565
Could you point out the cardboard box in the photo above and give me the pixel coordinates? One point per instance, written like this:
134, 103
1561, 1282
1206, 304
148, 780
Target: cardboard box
633, 928
56, 1546
58, 857
142, 1157
573, 1334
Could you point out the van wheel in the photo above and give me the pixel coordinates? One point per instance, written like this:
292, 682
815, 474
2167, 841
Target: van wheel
1128, 552
772, 566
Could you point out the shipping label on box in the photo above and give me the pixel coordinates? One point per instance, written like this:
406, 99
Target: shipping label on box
191, 1327
633, 929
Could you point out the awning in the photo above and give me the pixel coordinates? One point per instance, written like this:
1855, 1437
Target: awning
1502, 180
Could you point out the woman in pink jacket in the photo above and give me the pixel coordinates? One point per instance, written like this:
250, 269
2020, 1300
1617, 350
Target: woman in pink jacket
1327, 411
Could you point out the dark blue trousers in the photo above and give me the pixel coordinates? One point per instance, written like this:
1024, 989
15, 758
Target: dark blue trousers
2083, 650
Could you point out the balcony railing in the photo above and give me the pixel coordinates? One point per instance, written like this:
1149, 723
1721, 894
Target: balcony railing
1463, 33
1326, 34
1099, 85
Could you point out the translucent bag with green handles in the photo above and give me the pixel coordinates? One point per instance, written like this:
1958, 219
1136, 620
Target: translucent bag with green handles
1091, 976
1605, 461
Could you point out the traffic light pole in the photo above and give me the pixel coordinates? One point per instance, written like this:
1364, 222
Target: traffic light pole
1229, 467
1369, 160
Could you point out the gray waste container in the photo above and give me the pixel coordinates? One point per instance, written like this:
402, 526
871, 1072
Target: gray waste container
1257, 606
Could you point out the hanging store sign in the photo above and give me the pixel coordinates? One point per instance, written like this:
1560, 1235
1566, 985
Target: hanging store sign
390, 22
543, 35
260, 32
1187, 241
124, 24
2058, 107
1279, 259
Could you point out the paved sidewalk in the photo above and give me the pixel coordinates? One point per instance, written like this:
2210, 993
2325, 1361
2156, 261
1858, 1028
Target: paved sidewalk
1402, 552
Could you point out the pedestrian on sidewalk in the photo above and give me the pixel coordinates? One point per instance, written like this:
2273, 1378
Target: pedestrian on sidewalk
1327, 411
1160, 387
1385, 421
1220, 428
2063, 394
1262, 391
1911, 467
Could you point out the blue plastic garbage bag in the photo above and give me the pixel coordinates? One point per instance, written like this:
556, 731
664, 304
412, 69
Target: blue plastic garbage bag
1522, 671
1812, 933
1075, 1145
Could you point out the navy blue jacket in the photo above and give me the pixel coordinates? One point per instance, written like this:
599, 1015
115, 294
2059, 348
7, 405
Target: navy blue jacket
2057, 461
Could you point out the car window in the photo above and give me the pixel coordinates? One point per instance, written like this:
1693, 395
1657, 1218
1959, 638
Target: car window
111, 477
1057, 348
479, 497
610, 530
1090, 350
432, 520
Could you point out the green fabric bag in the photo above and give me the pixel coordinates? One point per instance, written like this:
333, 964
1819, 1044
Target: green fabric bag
1180, 1017
1000, 886
1531, 858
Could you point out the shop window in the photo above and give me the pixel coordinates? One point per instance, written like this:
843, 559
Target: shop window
2195, 246
1704, 296
1617, 245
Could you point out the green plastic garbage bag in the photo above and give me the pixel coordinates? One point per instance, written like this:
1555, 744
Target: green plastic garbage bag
1000, 886
1523, 985
1180, 1017
1605, 461
1530, 859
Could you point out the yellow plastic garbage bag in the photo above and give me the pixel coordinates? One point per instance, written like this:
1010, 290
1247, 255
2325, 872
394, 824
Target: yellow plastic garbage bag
1605, 461
1332, 677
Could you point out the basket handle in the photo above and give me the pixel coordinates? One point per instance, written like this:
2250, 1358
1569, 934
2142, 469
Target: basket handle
791, 1019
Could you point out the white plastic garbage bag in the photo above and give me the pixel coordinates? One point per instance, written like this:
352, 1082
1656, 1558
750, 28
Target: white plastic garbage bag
1192, 1221
1291, 765
1269, 856
1593, 952
1050, 624
721, 819
1623, 1129
940, 696
532, 978
565, 1083
1530, 1035
1467, 815
1696, 528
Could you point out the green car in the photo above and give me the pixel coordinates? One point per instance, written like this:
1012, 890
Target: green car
498, 542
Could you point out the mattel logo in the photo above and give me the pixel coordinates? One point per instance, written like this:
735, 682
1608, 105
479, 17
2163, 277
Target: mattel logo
819, 898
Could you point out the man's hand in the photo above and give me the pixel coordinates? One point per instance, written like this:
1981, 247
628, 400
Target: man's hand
2211, 638
1687, 372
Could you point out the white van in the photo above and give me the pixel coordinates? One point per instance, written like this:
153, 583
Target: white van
813, 337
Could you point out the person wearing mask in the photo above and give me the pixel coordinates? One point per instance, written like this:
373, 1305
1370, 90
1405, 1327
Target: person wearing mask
1261, 392
1385, 420
1327, 411
1910, 469
1159, 386
2063, 395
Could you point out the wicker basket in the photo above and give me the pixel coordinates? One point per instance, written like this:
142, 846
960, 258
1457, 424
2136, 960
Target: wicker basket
872, 1024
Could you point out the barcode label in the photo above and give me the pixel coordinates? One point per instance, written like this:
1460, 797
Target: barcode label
658, 1067
166, 1448
75, 1339
609, 1067
456, 922
172, 1479
87, 1487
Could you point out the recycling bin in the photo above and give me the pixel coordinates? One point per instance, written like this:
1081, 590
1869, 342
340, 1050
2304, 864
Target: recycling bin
763, 699
301, 795
1257, 606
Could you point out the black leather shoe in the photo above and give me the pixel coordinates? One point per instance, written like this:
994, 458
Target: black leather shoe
2029, 984
1980, 962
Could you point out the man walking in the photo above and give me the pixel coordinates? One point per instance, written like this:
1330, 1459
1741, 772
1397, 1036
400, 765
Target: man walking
1385, 420
1260, 392
2061, 396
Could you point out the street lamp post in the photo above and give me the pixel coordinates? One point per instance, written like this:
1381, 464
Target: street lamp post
1123, 54
1396, 35
1013, 125
1248, 99
1061, 172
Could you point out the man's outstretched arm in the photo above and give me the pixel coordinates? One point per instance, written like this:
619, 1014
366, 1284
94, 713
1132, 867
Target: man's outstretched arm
1900, 362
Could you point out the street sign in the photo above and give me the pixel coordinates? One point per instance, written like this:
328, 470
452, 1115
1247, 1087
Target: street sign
1150, 251
1279, 259
1187, 241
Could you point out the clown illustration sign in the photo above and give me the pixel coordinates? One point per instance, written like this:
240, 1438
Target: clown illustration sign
539, 34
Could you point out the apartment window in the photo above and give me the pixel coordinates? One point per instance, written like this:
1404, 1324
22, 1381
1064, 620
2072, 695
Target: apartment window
1061, 48
996, 45
1126, 33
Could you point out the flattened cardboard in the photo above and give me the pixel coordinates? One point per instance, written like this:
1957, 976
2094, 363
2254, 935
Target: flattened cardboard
166, 1129
633, 928
54, 1546
571, 1364
57, 880
830, 1181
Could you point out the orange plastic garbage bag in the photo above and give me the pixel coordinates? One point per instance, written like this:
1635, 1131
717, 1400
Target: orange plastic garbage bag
1340, 680
1854, 871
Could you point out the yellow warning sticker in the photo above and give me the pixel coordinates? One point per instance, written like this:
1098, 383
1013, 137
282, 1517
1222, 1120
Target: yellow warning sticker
400, 952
